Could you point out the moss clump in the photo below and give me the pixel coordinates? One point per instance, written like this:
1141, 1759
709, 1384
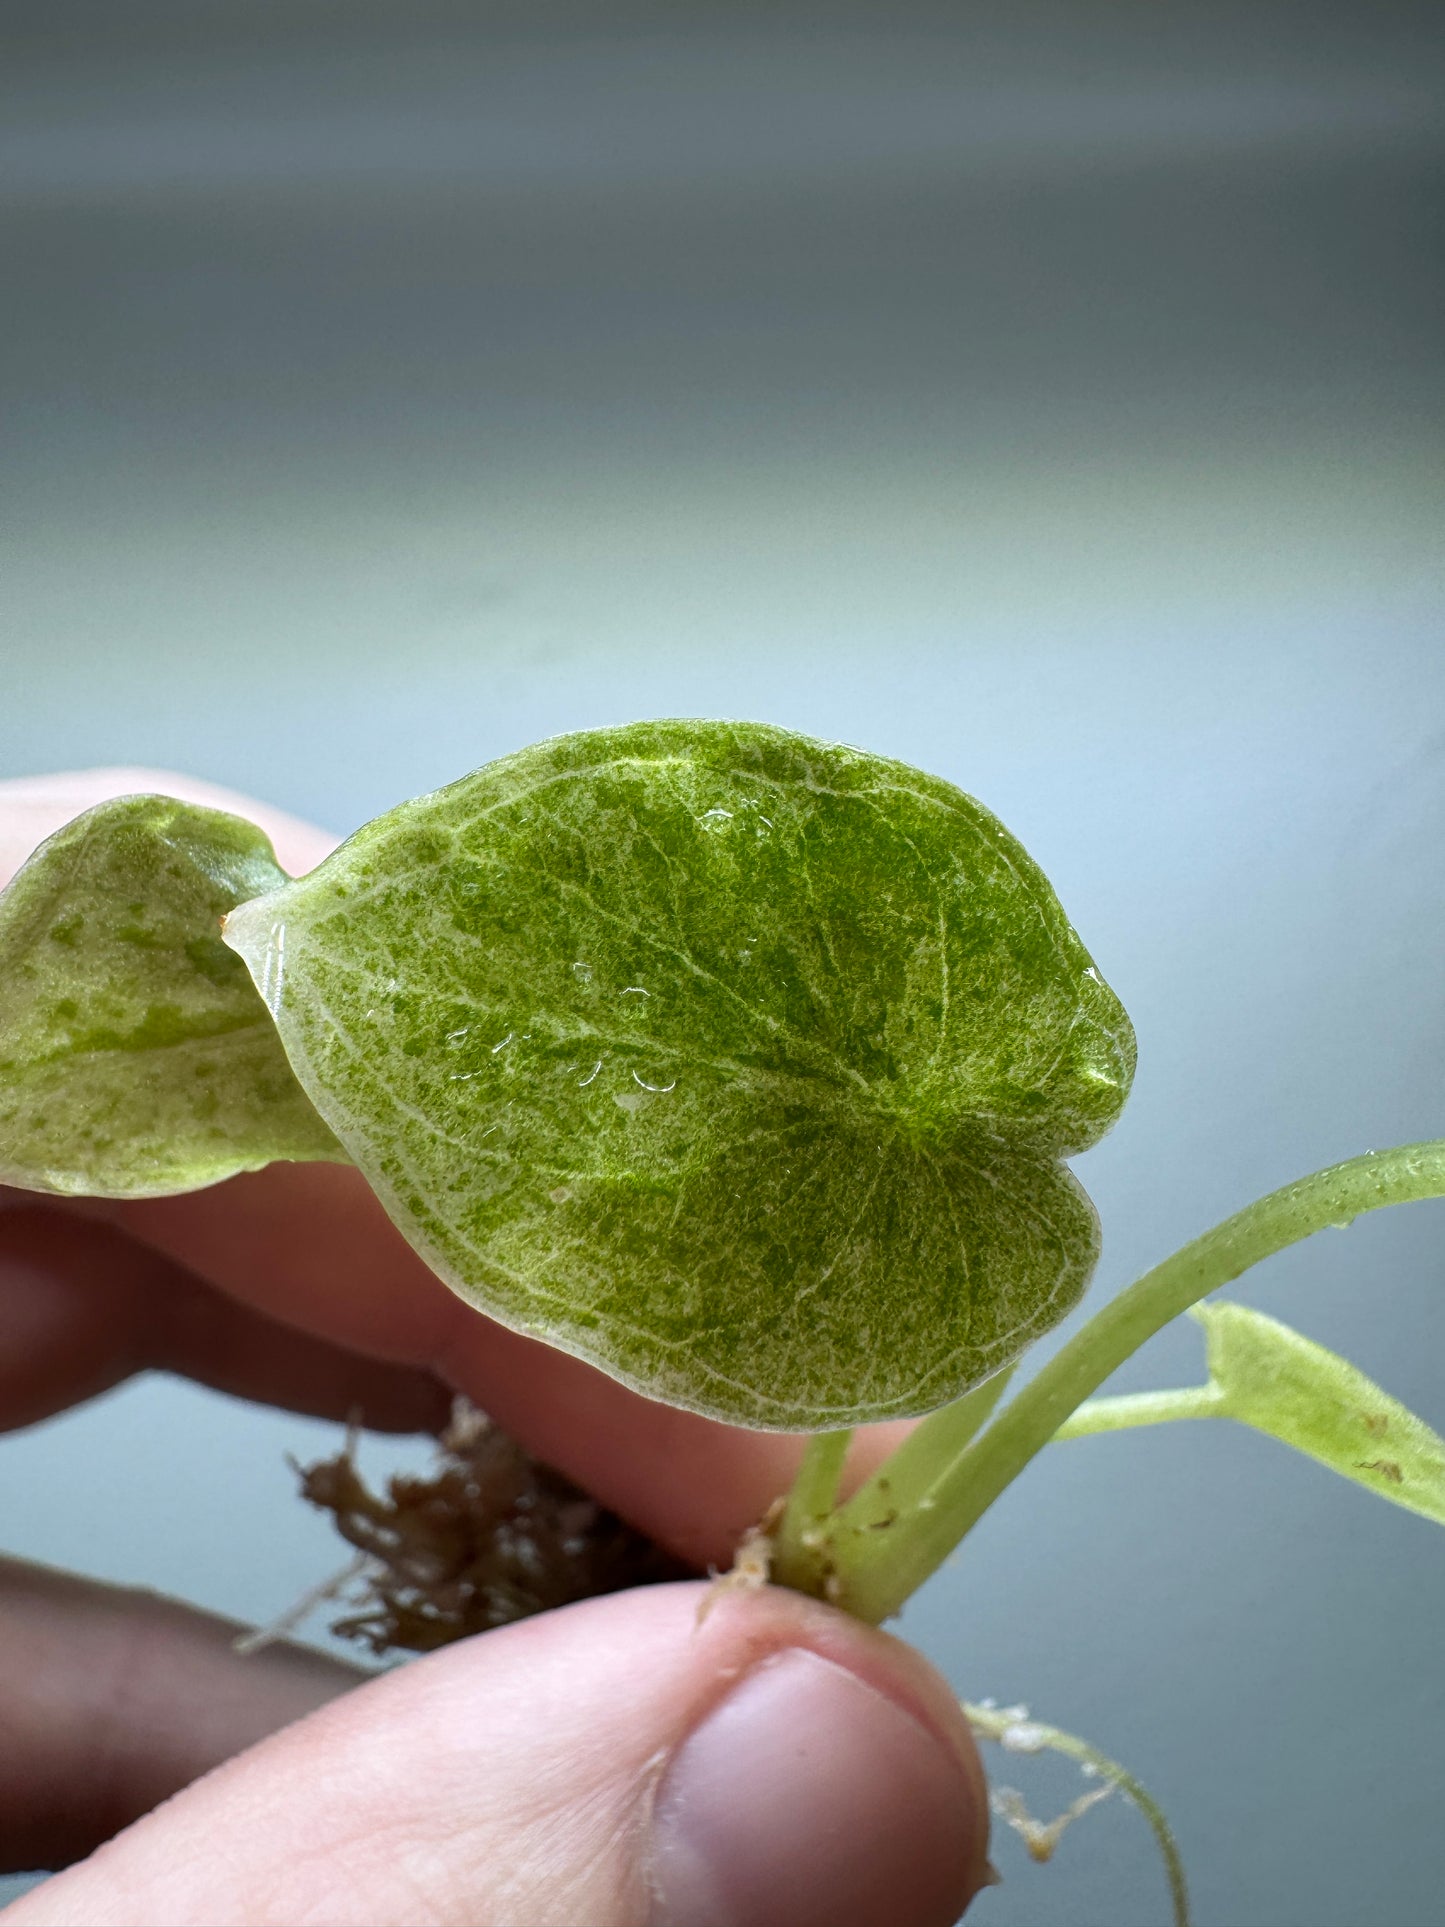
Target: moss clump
490, 1537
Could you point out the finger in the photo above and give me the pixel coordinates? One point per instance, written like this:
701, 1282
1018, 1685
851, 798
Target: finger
34, 807
612, 1763
112, 1700
82, 1307
310, 1244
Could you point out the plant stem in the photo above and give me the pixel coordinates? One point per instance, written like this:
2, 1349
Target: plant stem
874, 1580
1143, 1408
906, 1481
805, 1545
798, 1560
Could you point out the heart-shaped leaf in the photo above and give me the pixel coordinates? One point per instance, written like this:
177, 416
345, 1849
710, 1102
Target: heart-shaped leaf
136, 1058
737, 1063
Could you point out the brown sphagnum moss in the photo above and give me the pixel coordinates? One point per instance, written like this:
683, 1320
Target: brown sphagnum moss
491, 1536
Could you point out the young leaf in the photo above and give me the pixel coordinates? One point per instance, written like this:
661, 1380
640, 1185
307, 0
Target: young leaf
1273, 1379
739, 1064
136, 1058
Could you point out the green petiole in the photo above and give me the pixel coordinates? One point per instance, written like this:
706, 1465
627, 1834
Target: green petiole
806, 1549
1143, 1408
797, 1544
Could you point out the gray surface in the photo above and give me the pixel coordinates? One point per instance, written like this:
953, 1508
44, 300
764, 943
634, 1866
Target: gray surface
1053, 402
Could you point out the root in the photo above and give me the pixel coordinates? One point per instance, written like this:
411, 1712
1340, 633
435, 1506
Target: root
490, 1537
1015, 1732
752, 1564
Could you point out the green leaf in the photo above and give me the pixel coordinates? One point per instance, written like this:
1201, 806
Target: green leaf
1273, 1379
136, 1058
736, 1063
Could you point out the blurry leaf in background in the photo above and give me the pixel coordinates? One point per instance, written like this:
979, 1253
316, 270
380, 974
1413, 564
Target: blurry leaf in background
136, 1058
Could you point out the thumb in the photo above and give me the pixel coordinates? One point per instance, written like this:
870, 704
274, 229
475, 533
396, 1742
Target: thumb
614, 1763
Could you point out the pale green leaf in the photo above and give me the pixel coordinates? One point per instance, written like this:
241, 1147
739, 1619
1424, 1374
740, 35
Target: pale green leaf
1273, 1379
739, 1064
136, 1058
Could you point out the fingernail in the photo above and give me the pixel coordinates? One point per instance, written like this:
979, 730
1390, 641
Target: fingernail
808, 1799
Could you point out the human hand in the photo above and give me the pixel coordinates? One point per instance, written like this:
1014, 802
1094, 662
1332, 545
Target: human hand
609, 1764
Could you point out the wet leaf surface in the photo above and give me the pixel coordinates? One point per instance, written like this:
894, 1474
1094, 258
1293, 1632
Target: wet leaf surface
739, 1064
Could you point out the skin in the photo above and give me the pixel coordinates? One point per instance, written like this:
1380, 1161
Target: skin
534, 1775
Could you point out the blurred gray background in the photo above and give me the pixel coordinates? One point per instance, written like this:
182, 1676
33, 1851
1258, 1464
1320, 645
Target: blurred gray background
1051, 398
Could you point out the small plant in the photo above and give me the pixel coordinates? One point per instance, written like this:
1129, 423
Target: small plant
741, 1065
